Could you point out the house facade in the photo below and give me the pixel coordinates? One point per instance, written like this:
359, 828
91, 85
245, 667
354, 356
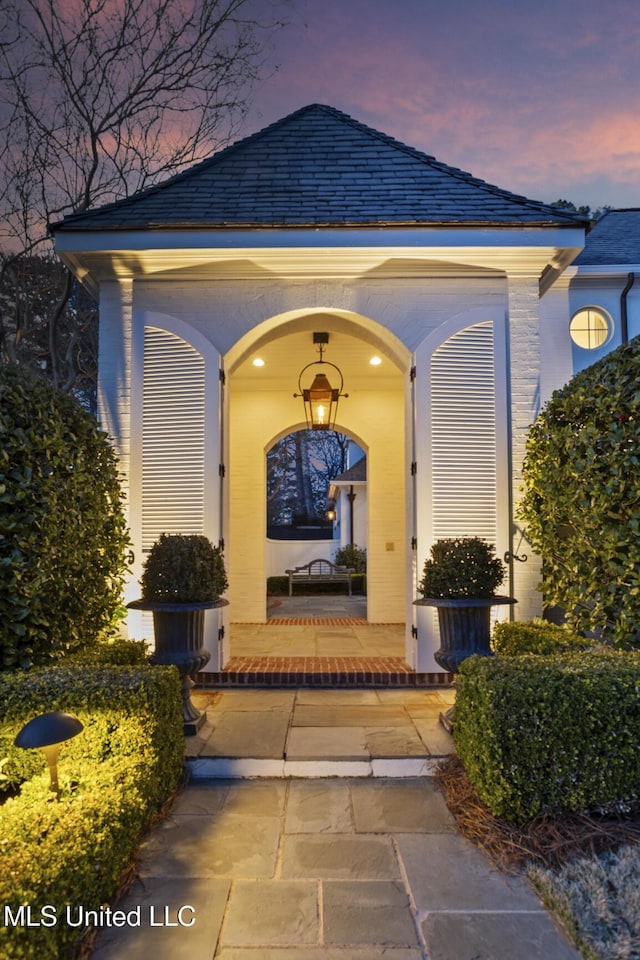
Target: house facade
463, 292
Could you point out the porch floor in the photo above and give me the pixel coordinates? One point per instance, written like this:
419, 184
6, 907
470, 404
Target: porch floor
318, 641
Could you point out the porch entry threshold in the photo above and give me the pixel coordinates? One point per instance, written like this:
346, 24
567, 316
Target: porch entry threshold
356, 672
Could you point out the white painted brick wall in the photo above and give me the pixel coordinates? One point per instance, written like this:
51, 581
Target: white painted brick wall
115, 358
525, 356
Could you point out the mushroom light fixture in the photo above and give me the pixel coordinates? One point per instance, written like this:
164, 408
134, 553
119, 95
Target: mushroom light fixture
320, 398
48, 731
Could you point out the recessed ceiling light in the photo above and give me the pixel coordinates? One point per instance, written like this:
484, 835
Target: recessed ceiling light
258, 362
375, 361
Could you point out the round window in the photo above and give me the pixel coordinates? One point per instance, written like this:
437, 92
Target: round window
590, 327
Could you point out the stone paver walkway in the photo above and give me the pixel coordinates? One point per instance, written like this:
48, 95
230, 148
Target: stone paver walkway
323, 869
283, 733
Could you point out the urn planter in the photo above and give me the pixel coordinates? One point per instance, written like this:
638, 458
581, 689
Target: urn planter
179, 640
465, 627
465, 630
183, 577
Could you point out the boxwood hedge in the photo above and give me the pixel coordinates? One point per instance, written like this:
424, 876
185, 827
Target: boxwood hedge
582, 497
63, 535
114, 777
550, 734
512, 638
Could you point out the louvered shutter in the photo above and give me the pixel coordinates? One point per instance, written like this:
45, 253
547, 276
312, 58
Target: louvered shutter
463, 435
173, 448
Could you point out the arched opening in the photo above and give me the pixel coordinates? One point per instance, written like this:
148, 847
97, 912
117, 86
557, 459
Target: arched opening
262, 409
312, 515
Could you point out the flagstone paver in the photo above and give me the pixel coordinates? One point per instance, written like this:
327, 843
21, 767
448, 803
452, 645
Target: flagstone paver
338, 743
343, 715
187, 914
246, 734
264, 727
353, 857
446, 872
271, 913
399, 806
319, 806
499, 936
220, 846
367, 911
333, 869
394, 742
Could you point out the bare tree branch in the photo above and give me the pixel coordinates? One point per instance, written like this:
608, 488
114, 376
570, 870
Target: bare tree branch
102, 98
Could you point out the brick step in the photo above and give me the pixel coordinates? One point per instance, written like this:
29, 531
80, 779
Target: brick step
355, 672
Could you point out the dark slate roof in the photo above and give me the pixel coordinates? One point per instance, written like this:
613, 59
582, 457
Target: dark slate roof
615, 238
355, 474
318, 167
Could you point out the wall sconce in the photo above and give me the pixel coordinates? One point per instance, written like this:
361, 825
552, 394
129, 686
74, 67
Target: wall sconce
48, 731
320, 398
331, 514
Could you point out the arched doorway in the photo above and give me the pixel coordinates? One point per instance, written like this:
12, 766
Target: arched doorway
261, 407
310, 518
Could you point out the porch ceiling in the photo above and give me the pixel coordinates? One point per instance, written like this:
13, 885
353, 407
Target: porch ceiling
285, 356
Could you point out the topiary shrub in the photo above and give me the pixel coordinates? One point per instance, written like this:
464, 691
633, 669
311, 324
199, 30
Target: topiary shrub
62, 529
183, 569
461, 567
582, 500
513, 639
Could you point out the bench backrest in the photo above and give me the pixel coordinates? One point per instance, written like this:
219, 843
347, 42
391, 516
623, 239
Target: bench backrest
320, 567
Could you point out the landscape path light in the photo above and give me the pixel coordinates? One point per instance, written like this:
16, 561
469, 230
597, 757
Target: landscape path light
47, 732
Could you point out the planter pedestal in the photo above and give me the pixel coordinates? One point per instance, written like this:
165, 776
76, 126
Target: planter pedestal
465, 630
179, 640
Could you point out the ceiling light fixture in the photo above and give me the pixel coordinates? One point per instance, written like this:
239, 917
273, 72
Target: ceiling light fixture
320, 398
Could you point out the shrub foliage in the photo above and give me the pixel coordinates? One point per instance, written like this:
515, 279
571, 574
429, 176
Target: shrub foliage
62, 529
550, 734
114, 776
183, 569
461, 567
582, 500
513, 638
352, 556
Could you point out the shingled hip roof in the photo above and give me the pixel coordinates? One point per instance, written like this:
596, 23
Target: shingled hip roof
615, 239
318, 167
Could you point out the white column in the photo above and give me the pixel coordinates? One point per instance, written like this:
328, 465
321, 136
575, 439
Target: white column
525, 367
116, 404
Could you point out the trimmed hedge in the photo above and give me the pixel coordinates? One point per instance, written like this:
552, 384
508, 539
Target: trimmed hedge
63, 536
550, 734
279, 587
512, 638
582, 497
114, 777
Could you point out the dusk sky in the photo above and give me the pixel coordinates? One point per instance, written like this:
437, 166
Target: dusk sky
541, 97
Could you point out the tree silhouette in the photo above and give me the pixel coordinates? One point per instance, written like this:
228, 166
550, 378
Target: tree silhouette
102, 98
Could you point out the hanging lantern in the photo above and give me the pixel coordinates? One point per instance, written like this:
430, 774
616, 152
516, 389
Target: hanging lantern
320, 398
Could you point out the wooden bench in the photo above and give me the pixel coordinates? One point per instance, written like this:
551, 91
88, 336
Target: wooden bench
319, 571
